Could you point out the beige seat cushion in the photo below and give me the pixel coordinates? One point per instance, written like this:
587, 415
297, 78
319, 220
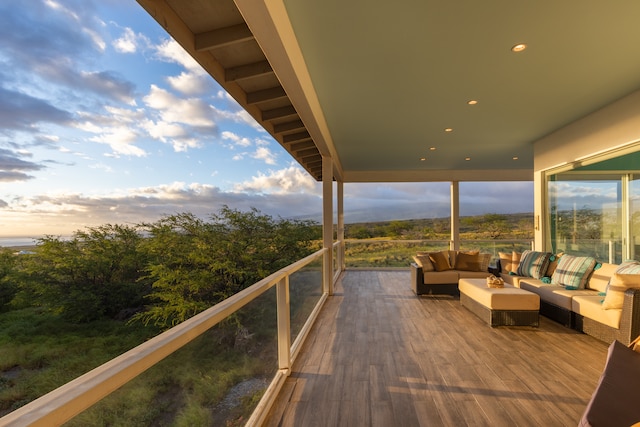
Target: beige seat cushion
507, 298
440, 277
590, 306
559, 296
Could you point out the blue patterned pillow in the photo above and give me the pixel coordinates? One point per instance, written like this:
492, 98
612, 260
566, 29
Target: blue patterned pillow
533, 264
573, 271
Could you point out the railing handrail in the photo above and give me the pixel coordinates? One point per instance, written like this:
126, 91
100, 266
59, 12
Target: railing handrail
68, 400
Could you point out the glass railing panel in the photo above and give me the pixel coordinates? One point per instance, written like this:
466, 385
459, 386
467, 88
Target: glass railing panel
305, 290
216, 379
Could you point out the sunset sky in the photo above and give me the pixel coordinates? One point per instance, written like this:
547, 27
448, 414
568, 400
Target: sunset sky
105, 119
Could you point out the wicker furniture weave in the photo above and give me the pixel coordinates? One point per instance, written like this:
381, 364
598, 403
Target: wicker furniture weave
507, 306
629, 322
501, 317
420, 288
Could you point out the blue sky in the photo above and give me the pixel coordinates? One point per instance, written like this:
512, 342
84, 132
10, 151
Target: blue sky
105, 119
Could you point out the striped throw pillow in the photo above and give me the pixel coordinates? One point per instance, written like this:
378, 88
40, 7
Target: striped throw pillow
629, 267
533, 264
573, 271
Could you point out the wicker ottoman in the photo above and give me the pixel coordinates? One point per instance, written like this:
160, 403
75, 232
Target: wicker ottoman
508, 306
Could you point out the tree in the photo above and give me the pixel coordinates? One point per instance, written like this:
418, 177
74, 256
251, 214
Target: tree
195, 264
92, 275
494, 225
8, 285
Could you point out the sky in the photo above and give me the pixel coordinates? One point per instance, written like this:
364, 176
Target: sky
105, 119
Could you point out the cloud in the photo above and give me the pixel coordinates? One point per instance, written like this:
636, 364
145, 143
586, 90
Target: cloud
19, 111
170, 51
13, 168
183, 123
127, 42
190, 83
63, 212
291, 180
237, 140
263, 153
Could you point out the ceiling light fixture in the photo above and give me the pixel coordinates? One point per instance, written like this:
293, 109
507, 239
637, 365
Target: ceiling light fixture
422, 159
467, 158
448, 129
432, 148
519, 47
515, 157
472, 102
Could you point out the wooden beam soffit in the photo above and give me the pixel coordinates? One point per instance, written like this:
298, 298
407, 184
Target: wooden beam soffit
288, 126
302, 145
266, 95
295, 137
247, 71
278, 113
222, 37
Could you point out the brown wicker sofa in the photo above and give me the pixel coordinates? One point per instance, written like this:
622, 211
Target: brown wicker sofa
437, 273
584, 308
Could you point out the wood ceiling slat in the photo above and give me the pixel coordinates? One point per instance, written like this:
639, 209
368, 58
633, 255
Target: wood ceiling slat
309, 152
222, 37
295, 137
266, 95
278, 113
288, 126
248, 71
308, 143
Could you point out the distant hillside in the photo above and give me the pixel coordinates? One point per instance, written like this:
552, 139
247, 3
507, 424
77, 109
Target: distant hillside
486, 226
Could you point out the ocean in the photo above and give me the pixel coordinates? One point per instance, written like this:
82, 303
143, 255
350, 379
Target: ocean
17, 241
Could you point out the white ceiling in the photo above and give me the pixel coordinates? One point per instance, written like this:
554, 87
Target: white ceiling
391, 76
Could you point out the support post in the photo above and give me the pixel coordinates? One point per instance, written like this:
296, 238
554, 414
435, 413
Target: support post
341, 248
284, 324
454, 244
327, 224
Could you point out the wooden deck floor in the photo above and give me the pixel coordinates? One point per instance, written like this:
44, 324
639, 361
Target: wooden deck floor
381, 356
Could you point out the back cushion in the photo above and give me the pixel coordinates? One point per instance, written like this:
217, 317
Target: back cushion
506, 262
573, 271
468, 262
600, 277
533, 264
440, 260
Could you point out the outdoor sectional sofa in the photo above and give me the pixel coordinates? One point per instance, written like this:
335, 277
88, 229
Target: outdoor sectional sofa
439, 272
599, 299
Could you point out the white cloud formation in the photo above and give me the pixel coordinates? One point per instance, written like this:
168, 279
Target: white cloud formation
190, 83
127, 42
265, 154
291, 180
170, 51
237, 140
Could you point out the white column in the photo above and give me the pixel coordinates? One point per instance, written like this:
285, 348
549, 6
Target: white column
454, 245
340, 194
540, 220
327, 223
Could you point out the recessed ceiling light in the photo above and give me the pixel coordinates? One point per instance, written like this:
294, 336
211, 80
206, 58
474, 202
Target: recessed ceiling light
448, 129
519, 47
422, 159
515, 157
467, 158
472, 102
432, 148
